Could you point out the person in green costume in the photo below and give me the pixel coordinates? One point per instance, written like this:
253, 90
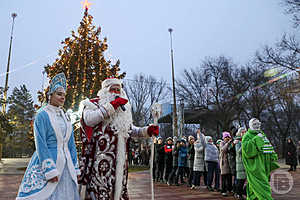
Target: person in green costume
259, 159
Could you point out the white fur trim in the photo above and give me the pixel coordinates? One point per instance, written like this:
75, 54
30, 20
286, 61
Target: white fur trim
67, 151
51, 174
111, 81
121, 151
109, 109
144, 131
88, 104
139, 132
43, 194
63, 153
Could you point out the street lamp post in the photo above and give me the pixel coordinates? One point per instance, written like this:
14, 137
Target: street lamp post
181, 116
175, 125
14, 15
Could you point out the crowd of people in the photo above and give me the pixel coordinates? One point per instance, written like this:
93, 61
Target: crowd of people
139, 157
223, 166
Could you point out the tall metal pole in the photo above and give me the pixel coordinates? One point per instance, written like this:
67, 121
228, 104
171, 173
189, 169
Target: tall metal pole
181, 116
14, 15
175, 119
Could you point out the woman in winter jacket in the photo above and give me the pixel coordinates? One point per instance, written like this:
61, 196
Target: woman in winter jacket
199, 164
212, 161
240, 169
224, 164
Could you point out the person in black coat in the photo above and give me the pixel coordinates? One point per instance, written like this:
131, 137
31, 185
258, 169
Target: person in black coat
291, 155
168, 158
190, 162
173, 173
159, 159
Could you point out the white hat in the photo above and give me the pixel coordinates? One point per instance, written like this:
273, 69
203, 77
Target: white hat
190, 137
208, 138
254, 124
239, 132
111, 81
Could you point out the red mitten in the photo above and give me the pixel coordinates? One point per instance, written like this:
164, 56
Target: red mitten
153, 130
118, 102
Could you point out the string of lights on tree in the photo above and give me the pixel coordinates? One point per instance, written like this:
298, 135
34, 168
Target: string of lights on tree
83, 62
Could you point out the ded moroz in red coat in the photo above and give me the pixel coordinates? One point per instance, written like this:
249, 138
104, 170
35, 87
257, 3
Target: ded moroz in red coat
104, 165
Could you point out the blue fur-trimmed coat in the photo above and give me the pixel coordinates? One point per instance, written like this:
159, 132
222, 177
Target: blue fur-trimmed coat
53, 151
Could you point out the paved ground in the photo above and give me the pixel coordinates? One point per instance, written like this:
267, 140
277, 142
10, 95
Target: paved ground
13, 166
139, 185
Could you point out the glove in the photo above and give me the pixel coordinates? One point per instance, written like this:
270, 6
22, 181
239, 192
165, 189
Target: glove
118, 102
153, 130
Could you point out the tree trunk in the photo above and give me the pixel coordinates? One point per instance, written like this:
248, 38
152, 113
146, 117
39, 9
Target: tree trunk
0, 152
283, 142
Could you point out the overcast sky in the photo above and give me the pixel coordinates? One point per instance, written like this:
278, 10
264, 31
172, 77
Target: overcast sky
137, 32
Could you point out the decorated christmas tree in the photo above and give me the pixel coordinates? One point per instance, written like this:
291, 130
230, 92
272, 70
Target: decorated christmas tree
83, 61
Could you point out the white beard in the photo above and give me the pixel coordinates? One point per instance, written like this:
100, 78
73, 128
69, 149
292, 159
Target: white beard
120, 121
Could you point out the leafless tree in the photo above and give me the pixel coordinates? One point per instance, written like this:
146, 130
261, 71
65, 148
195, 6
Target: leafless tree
285, 54
142, 92
212, 87
292, 7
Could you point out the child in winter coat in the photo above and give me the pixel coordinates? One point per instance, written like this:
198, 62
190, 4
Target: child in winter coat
182, 158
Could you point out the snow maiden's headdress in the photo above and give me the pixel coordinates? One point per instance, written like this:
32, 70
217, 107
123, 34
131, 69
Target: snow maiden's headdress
59, 80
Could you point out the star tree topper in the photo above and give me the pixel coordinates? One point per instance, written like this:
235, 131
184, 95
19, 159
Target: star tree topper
86, 5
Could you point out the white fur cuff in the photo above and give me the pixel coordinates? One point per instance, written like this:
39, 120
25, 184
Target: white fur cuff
144, 131
88, 104
53, 173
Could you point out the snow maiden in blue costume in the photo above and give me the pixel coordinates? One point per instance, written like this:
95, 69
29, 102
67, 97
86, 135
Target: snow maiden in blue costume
53, 169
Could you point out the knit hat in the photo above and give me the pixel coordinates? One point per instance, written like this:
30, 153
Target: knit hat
207, 138
218, 141
182, 140
239, 132
169, 138
226, 134
159, 138
190, 137
254, 124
